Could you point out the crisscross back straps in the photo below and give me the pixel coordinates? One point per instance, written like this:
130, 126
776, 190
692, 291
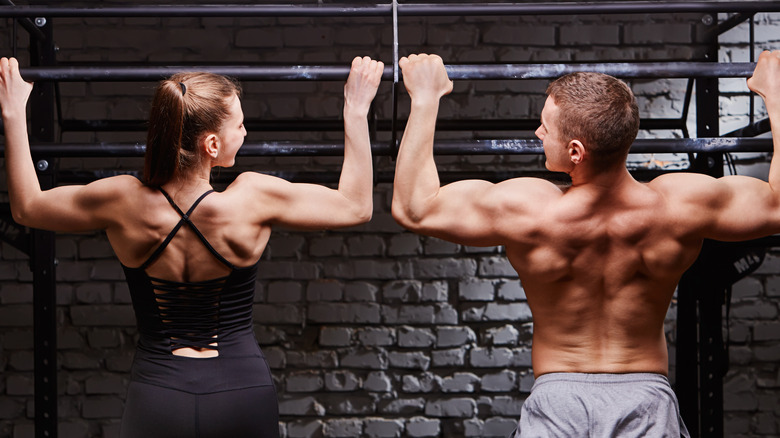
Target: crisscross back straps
190, 311
185, 218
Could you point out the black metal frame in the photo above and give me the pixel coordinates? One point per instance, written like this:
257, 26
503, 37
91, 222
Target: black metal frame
42, 260
700, 347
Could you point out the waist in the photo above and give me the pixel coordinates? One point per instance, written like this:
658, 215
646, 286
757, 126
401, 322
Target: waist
230, 343
201, 375
602, 354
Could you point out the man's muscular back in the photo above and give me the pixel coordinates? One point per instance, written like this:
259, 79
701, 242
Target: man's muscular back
599, 266
599, 261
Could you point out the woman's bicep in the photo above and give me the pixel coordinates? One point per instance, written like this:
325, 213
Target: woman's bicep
312, 206
74, 208
295, 205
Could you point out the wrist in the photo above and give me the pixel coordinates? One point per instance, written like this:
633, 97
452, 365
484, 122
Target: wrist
355, 113
12, 114
424, 103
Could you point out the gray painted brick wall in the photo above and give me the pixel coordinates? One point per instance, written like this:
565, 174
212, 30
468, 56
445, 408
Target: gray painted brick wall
370, 331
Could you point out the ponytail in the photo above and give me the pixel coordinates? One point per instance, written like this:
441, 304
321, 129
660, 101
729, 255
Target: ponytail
163, 141
185, 107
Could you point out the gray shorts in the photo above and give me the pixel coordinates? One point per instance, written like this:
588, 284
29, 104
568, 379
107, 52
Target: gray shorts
601, 405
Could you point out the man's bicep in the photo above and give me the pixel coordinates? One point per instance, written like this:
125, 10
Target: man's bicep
478, 213
461, 212
744, 208
728, 208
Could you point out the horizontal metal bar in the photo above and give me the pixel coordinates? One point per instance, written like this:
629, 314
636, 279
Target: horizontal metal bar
156, 73
586, 8
333, 125
641, 146
280, 10
446, 147
408, 9
227, 176
623, 70
340, 73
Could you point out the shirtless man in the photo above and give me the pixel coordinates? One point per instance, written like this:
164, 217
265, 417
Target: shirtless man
599, 260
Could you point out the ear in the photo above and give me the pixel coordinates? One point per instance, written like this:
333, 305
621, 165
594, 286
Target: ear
576, 151
211, 145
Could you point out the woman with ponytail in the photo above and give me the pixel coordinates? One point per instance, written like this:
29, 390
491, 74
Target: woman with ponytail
190, 254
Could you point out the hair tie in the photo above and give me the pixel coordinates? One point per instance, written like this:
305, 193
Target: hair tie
183, 88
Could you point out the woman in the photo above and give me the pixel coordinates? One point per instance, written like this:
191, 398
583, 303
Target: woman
190, 254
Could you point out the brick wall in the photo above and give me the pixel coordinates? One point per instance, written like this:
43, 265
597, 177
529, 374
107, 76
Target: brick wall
372, 330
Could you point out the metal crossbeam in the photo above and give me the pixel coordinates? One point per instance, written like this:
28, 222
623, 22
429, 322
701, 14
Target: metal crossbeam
445, 147
341, 72
407, 9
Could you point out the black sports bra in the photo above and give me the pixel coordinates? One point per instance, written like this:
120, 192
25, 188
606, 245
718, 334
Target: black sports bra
177, 314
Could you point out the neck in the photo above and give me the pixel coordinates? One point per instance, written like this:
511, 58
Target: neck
195, 180
605, 179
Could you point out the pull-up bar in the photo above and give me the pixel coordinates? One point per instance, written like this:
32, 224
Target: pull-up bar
340, 73
407, 9
446, 147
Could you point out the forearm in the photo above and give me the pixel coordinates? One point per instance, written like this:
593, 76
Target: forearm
416, 176
773, 108
22, 181
356, 180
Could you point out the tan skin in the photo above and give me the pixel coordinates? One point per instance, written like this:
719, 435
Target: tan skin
599, 260
236, 221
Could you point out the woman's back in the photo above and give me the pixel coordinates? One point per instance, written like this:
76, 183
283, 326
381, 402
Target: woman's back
198, 370
145, 218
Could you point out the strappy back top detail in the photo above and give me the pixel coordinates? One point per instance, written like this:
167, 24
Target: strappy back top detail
197, 314
185, 219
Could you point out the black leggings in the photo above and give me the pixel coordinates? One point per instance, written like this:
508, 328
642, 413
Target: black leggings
155, 412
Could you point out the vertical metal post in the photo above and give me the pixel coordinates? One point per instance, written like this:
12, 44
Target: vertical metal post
710, 298
687, 352
42, 129
699, 317
394, 142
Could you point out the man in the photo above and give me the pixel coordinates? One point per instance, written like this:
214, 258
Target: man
599, 260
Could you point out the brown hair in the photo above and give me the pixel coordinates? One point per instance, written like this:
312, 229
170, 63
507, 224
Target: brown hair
185, 107
600, 111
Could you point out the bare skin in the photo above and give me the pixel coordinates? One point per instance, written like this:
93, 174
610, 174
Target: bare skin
599, 260
236, 221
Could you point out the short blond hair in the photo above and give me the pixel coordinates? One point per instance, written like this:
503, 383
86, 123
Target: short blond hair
598, 110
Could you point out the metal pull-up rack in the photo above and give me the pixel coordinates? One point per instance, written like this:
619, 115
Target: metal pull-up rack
699, 382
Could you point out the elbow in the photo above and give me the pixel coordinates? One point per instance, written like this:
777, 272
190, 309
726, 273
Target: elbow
20, 214
404, 217
362, 213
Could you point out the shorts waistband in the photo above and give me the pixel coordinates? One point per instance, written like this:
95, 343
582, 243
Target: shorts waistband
602, 378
